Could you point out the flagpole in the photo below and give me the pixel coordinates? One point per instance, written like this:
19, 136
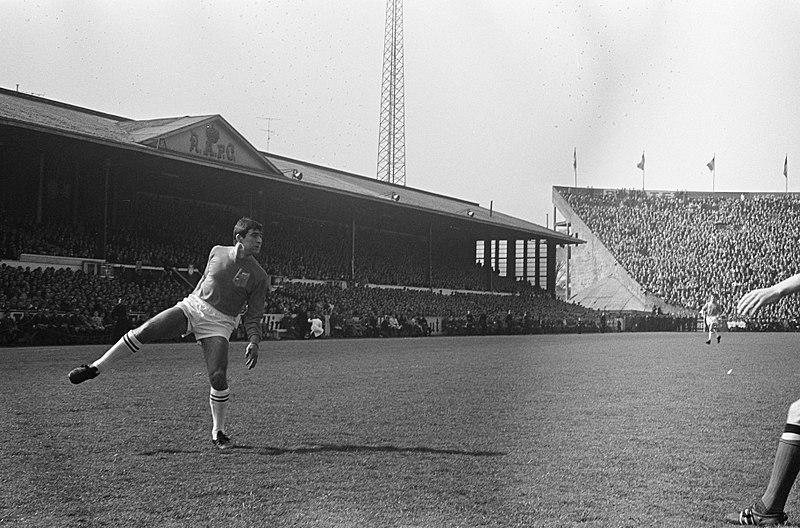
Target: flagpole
714, 172
575, 164
640, 166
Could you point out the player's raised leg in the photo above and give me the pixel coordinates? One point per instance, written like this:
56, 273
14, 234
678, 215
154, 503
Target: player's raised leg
215, 350
169, 323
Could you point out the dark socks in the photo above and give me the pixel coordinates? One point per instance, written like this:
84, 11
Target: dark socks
784, 473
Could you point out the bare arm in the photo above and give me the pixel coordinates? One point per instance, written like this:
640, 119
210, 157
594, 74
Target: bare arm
753, 301
252, 323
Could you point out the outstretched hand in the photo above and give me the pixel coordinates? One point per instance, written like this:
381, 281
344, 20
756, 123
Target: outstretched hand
251, 355
753, 301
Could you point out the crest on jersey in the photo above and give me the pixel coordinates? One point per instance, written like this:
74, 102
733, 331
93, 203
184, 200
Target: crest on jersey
240, 279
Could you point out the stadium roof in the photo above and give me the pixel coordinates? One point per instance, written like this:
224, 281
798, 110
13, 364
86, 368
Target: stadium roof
183, 138
411, 198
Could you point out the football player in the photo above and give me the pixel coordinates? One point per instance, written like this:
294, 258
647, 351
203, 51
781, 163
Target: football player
233, 287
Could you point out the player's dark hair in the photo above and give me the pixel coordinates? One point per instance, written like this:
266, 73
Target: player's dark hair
244, 226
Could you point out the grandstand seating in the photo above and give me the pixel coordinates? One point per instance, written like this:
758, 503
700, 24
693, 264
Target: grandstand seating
682, 246
166, 234
679, 246
180, 233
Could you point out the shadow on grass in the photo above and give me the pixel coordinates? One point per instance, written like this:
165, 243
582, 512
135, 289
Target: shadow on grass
327, 448
345, 448
167, 451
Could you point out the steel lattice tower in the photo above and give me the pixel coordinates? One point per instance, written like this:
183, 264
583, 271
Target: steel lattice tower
391, 133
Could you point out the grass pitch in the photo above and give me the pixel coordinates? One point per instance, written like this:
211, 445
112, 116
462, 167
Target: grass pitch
613, 430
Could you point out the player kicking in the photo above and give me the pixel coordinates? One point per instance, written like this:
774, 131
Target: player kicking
768, 510
711, 310
232, 280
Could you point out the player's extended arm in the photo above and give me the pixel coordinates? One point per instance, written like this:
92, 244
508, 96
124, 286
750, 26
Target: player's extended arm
753, 301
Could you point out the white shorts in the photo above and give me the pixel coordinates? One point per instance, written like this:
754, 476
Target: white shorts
711, 320
203, 320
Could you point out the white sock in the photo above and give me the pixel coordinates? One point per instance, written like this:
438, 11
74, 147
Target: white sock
219, 407
125, 347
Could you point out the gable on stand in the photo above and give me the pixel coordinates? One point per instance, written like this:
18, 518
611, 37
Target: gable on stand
205, 138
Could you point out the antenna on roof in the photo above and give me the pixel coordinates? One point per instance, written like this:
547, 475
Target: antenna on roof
269, 130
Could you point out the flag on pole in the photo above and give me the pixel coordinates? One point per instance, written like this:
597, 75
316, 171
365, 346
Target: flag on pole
711, 164
786, 166
640, 165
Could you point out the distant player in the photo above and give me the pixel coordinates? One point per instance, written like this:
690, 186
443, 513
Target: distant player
768, 510
233, 280
711, 311
316, 328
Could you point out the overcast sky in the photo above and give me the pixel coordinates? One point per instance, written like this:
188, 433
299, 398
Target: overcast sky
498, 93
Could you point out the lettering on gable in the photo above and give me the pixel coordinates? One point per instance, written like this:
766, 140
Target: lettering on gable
212, 141
210, 144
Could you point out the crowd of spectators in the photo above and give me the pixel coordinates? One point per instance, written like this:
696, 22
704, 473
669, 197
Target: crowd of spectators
161, 234
172, 233
50, 305
58, 305
384, 312
62, 305
683, 246
18, 236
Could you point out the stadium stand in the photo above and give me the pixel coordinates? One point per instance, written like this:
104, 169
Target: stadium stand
50, 305
41, 299
100, 210
681, 246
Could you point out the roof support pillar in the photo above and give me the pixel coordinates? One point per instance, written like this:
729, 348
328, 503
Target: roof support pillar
525, 260
430, 254
352, 246
511, 259
487, 263
551, 267
40, 196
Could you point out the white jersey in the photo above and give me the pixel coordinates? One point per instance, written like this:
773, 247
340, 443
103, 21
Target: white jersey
712, 311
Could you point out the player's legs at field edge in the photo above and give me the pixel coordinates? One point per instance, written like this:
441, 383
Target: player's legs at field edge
713, 329
215, 351
711, 326
169, 323
768, 510
787, 463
